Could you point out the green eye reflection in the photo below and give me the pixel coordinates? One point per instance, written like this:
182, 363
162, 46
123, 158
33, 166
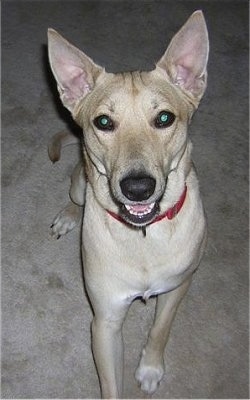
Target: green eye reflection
164, 119
104, 123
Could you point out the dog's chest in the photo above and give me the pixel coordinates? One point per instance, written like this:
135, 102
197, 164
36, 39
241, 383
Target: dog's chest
138, 266
155, 271
151, 265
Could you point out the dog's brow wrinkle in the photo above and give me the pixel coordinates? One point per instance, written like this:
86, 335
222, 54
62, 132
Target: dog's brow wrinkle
155, 104
124, 75
110, 105
136, 81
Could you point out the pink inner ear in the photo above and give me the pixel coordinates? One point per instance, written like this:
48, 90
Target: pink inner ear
184, 77
182, 74
74, 82
189, 63
185, 59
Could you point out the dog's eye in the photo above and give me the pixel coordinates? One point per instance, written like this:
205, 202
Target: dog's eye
104, 123
164, 119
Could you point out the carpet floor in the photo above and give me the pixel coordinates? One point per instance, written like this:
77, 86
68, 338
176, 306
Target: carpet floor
46, 351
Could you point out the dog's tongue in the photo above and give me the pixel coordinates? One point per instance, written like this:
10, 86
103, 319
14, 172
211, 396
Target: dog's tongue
139, 208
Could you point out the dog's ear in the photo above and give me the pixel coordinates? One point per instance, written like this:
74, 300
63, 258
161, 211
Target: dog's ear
74, 72
185, 59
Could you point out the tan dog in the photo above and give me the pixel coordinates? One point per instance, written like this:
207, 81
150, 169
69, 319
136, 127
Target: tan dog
144, 228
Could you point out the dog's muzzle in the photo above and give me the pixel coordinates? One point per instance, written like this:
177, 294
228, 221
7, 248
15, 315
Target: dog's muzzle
138, 188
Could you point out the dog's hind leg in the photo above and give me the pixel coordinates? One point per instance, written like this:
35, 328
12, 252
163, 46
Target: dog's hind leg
78, 185
66, 220
151, 368
69, 217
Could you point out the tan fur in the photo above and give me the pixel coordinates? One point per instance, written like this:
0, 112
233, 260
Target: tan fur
120, 264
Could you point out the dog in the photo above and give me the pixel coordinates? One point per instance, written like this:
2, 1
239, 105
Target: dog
144, 226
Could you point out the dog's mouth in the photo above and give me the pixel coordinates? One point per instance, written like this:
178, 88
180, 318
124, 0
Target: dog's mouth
139, 214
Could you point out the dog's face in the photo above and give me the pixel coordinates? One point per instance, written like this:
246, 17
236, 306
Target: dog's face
134, 123
135, 132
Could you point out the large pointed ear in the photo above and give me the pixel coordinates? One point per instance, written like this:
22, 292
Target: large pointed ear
74, 72
185, 59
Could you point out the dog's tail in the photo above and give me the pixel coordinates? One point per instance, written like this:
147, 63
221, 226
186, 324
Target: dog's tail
58, 141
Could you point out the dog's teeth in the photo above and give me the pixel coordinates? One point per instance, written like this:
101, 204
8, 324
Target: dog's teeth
140, 209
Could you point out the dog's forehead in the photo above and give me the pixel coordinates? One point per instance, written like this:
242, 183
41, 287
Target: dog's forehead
137, 89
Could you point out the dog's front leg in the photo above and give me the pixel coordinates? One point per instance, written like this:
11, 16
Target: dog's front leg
151, 367
107, 344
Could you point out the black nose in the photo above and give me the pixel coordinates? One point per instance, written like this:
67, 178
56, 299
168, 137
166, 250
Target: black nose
138, 187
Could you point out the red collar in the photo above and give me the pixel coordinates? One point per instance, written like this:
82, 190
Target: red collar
170, 213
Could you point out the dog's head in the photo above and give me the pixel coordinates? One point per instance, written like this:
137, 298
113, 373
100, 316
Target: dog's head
134, 123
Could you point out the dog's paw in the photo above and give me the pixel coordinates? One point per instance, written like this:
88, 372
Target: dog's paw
65, 221
149, 375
